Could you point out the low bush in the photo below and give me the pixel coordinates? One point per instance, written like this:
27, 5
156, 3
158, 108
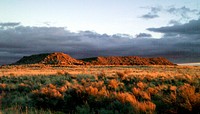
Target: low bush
83, 93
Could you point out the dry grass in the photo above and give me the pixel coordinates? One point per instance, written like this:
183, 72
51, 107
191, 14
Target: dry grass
147, 89
162, 72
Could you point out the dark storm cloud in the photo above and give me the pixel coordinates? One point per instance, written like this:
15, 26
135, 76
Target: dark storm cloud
143, 35
192, 28
153, 13
184, 39
19, 41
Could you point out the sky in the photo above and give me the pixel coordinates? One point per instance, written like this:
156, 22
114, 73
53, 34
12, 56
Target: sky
87, 28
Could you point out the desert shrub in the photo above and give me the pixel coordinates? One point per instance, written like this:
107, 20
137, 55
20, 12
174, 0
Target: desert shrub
187, 99
113, 84
24, 88
141, 85
47, 98
84, 109
2, 86
105, 111
91, 90
14, 98
18, 89
27, 110
60, 72
127, 71
141, 95
117, 107
182, 99
88, 77
101, 75
121, 75
85, 93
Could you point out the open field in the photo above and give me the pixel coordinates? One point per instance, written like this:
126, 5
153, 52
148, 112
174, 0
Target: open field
31, 70
189, 64
100, 89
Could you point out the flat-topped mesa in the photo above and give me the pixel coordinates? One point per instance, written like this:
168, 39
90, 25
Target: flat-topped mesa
57, 58
127, 60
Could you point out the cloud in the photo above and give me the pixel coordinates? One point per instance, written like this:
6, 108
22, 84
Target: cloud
183, 14
19, 41
149, 16
143, 35
182, 11
174, 22
153, 9
184, 39
10, 24
192, 28
153, 13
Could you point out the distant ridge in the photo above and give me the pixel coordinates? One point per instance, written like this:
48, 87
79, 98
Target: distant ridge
59, 58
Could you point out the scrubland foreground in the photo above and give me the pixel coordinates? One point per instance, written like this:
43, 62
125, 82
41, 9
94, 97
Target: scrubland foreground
100, 89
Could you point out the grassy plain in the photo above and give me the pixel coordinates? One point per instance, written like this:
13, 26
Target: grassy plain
99, 89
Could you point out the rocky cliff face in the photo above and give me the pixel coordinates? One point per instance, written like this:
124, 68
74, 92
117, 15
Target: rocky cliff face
59, 58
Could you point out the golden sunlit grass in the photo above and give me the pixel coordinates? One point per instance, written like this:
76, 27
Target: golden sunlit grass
122, 71
107, 89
